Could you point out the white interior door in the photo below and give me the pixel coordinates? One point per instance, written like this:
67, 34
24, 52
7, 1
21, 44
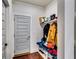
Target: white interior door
22, 34
3, 32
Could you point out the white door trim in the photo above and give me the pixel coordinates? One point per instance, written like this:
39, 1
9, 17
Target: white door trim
6, 3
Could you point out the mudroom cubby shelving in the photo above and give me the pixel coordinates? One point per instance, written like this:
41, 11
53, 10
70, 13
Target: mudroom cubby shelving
44, 49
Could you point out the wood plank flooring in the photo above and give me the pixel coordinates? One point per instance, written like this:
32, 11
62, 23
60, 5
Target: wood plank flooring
35, 55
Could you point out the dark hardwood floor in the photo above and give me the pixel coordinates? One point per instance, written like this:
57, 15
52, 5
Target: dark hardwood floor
35, 55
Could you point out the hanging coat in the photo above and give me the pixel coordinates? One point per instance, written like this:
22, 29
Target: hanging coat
46, 29
52, 36
45, 32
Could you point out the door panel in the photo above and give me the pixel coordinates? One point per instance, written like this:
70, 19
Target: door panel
22, 34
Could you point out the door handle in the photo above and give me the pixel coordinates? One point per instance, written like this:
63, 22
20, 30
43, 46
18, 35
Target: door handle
6, 44
28, 37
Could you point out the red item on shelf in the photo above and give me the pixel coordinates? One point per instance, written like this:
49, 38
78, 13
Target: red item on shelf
48, 58
53, 51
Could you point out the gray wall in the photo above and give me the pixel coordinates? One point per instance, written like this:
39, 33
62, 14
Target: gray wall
69, 29
66, 29
51, 8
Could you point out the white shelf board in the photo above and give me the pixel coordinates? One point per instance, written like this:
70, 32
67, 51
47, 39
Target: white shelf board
50, 21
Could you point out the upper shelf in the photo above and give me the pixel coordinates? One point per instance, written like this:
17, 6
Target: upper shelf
50, 21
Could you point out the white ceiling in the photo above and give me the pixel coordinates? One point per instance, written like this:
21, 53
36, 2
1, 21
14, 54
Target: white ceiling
37, 2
